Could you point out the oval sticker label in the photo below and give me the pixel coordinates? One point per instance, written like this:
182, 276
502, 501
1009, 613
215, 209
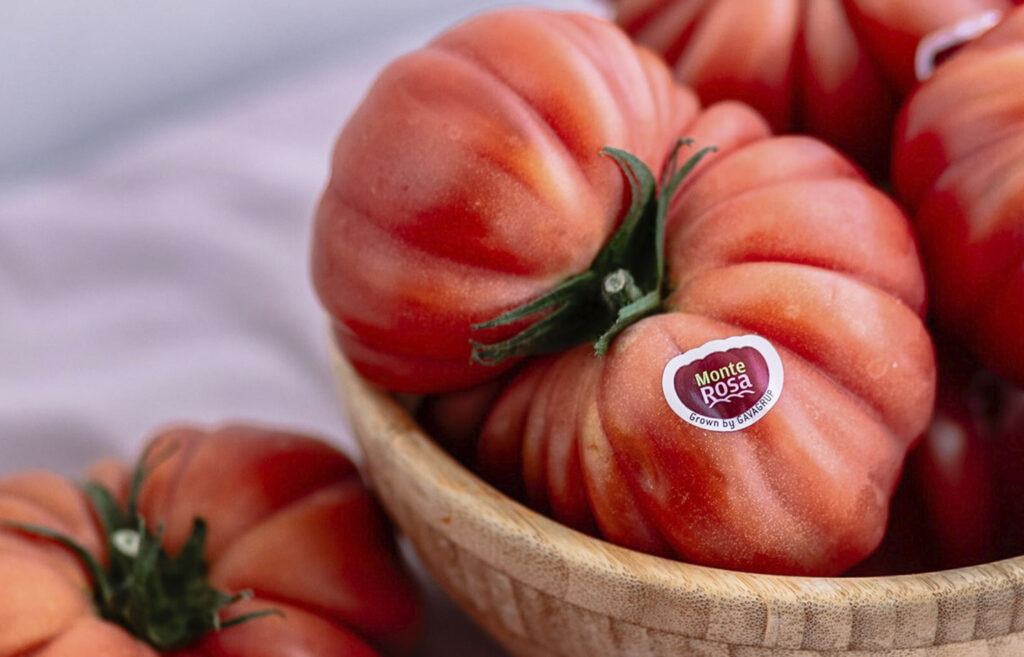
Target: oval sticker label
724, 385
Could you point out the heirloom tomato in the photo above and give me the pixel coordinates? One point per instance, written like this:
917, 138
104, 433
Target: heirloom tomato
760, 420
832, 68
281, 524
958, 163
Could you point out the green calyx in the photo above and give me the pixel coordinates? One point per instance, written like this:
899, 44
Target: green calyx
165, 601
625, 281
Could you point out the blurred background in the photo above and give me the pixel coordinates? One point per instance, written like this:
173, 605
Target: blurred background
159, 166
75, 75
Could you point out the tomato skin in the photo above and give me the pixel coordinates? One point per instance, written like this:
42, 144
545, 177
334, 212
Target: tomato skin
953, 470
92, 636
470, 181
948, 514
288, 517
1008, 466
835, 69
300, 632
454, 420
47, 603
958, 163
780, 237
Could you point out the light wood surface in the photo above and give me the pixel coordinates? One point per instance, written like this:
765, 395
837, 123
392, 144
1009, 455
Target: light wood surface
541, 589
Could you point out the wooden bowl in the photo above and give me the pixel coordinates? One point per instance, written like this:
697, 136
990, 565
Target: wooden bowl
541, 589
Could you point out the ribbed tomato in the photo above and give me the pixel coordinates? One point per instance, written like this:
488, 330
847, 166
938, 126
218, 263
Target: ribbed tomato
283, 516
761, 420
470, 180
832, 68
959, 164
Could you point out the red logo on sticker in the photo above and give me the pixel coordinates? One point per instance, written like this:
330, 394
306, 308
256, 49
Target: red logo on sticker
724, 385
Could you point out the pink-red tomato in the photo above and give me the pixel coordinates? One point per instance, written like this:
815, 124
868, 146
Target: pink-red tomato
953, 473
287, 517
1008, 465
778, 238
959, 165
832, 68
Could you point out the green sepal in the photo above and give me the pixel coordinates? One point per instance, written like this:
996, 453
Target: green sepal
577, 310
165, 601
106, 508
648, 304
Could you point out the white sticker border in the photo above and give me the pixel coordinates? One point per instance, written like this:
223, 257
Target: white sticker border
775, 381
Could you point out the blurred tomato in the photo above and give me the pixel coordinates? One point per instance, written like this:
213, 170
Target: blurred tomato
1009, 468
953, 472
777, 251
286, 517
832, 68
958, 503
959, 165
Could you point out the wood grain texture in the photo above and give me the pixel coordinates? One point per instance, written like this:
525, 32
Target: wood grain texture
541, 589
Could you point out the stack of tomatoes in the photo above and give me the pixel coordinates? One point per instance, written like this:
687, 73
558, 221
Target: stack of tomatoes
664, 326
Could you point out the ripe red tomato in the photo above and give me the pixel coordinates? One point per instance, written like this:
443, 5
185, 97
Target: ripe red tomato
959, 164
776, 248
471, 180
1008, 465
832, 68
286, 517
953, 472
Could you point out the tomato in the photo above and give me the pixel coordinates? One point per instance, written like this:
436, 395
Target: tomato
953, 472
1008, 466
832, 68
286, 517
454, 419
959, 165
470, 180
776, 249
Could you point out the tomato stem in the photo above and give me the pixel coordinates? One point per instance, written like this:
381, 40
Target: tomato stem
619, 289
165, 601
624, 283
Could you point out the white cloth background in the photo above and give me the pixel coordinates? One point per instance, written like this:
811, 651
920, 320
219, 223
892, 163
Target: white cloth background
163, 277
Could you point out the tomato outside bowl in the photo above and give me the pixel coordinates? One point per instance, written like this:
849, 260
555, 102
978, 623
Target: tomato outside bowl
541, 589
